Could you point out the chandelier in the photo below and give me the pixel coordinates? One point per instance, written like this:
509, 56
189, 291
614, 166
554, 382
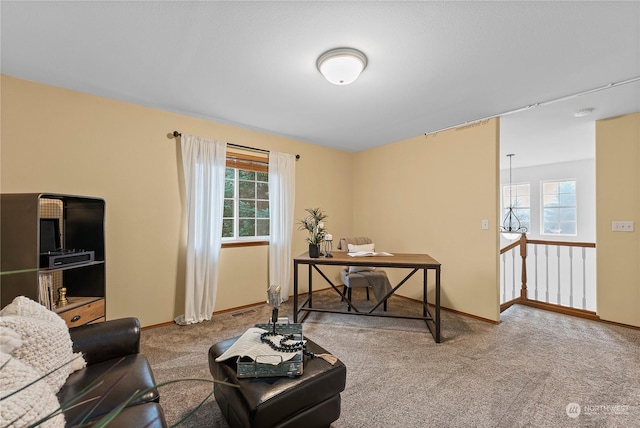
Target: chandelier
511, 228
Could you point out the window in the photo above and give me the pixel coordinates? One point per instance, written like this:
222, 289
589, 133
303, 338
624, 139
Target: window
559, 208
246, 199
518, 197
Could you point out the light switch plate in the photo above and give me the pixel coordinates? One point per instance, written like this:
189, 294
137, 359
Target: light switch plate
622, 226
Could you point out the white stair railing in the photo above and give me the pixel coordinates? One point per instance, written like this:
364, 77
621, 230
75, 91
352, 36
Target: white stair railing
565, 275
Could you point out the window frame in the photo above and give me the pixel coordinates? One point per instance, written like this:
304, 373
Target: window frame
543, 206
237, 160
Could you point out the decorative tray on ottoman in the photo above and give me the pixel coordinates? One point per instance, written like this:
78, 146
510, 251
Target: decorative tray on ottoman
255, 358
261, 368
249, 368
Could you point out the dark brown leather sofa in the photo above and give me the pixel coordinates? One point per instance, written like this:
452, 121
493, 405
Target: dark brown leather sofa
115, 371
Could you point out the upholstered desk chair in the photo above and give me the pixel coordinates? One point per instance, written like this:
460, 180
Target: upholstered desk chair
351, 276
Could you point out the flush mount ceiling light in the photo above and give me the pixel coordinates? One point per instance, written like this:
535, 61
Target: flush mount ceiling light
342, 66
583, 112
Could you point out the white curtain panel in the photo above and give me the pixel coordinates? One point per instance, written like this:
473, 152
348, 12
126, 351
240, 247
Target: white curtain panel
282, 192
204, 163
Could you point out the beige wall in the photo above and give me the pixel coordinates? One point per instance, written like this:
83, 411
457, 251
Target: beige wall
60, 141
618, 199
424, 194
429, 194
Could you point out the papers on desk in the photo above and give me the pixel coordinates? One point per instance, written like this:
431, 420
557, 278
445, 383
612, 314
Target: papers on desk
369, 254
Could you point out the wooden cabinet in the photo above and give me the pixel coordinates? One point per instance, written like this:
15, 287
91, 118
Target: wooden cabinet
31, 226
82, 310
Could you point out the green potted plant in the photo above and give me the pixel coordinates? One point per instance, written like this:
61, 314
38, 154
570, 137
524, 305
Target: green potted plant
314, 224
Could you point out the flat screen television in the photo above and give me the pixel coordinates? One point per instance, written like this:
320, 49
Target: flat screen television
49, 235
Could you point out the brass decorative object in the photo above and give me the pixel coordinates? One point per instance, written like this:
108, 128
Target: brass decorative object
62, 299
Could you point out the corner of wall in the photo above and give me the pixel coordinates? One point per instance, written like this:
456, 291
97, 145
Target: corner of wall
618, 199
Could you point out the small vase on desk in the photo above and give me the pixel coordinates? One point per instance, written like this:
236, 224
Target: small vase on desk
314, 251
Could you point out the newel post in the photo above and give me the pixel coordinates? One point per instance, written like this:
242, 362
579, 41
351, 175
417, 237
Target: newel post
523, 254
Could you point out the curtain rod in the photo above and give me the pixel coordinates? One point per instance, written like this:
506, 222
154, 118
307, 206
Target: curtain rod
177, 134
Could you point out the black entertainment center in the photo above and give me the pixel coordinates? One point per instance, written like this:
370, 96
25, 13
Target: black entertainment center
52, 241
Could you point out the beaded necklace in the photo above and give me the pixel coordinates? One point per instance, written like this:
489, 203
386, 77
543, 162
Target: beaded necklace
283, 346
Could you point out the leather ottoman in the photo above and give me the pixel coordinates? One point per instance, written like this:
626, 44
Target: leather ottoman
309, 400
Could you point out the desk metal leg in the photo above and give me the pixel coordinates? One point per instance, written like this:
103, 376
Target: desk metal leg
432, 317
295, 292
438, 305
310, 295
424, 292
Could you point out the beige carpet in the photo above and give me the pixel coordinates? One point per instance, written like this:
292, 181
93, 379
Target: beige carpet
525, 371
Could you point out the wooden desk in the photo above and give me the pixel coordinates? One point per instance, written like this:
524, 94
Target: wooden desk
415, 262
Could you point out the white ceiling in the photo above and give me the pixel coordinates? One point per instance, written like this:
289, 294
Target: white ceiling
432, 65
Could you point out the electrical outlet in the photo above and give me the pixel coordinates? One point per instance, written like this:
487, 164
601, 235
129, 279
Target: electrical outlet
622, 226
485, 224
